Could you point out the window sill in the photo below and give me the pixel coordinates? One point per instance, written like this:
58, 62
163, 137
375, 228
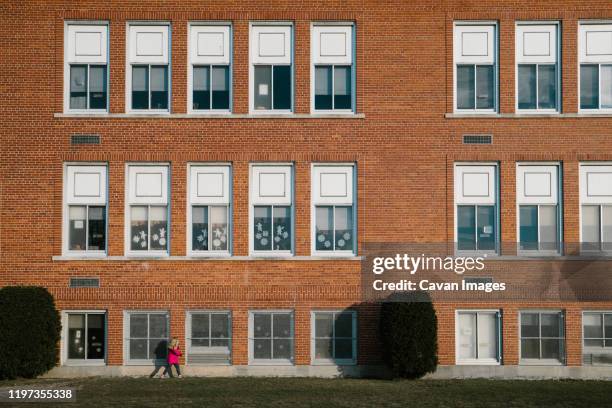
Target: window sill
208, 116
541, 363
84, 364
478, 362
270, 363
62, 258
539, 115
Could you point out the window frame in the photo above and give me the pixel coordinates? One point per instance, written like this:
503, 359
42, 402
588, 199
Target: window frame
64, 359
600, 110
188, 330
129, 64
498, 335
557, 65
291, 65
313, 338
476, 111
67, 65
590, 350
251, 337
562, 326
600, 204
127, 336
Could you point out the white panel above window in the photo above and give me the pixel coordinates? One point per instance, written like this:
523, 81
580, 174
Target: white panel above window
87, 43
148, 44
271, 44
209, 44
271, 185
475, 184
86, 185
333, 184
209, 184
595, 184
537, 184
595, 43
474, 44
536, 43
332, 44
148, 184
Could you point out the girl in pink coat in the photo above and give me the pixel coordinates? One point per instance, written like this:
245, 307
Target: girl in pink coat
174, 352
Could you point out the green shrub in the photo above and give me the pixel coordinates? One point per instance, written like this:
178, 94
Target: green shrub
29, 331
408, 329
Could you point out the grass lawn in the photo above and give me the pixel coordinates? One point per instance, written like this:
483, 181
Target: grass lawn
311, 392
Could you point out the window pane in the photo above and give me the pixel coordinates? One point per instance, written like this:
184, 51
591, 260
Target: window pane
218, 228
263, 85
219, 326
78, 87
76, 336
159, 87
140, 87
97, 228
530, 325
527, 86
323, 348
95, 336
551, 348
281, 325
262, 349
199, 326
201, 88
262, 325
158, 327
593, 342
220, 88
466, 227
529, 227
282, 87
485, 94
139, 228
344, 229
158, 349
97, 87
550, 325
606, 86
608, 326
324, 228
467, 335
548, 227
486, 227
282, 229
487, 335
593, 327
589, 86
343, 349
281, 348
77, 228
324, 324
323, 87
530, 348
138, 349
607, 227
263, 226
159, 228
220, 343
590, 227
344, 325
465, 87
138, 325
547, 87
199, 232
342, 87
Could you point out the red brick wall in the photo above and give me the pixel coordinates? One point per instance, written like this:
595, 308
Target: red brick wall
404, 149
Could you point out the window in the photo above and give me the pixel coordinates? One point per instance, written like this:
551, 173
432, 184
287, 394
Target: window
85, 337
542, 337
478, 337
210, 57
148, 68
271, 337
595, 53
597, 333
272, 209
271, 67
333, 210
596, 207
475, 54
537, 67
332, 58
538, 199
334, 337
209, 195
147, 210
209, 337
146, 335
86, 67
85, 209
476, 206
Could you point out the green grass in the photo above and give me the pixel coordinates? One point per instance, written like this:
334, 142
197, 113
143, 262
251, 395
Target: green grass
311, 392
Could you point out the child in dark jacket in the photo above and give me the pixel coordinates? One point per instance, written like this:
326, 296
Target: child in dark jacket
174, 352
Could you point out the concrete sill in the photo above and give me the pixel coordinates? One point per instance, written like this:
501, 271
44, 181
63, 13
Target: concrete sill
526, 115
206, 116
61, 258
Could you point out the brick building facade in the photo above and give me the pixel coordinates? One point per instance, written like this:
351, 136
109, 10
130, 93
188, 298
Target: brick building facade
395, 126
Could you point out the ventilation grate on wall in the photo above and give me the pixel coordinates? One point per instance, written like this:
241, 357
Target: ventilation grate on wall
84, 282
477, 139
85, 139
486, 279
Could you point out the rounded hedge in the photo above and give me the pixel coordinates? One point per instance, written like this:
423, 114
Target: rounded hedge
29, 331
408, 329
